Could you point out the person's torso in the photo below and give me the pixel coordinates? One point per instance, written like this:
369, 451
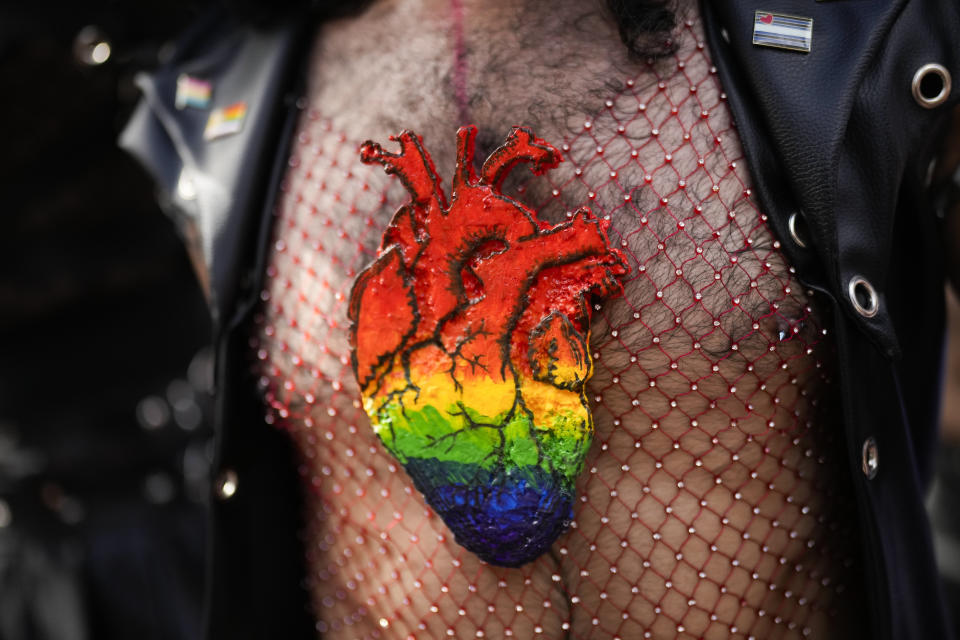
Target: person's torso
713, 503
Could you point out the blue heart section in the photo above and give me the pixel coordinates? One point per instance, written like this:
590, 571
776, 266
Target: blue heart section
507, 517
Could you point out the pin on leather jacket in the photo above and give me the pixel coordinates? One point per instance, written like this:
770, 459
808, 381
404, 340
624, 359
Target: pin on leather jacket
840, 143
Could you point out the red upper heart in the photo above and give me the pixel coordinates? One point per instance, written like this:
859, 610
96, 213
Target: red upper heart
767, 19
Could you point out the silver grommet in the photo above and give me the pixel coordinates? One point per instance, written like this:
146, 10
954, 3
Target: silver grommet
796, 230
227, 483
870, 461
863, 296
931, 85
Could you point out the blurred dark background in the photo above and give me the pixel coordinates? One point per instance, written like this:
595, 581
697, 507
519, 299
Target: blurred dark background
105, 364
105, 371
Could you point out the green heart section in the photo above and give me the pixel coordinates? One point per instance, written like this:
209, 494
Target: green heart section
509, 442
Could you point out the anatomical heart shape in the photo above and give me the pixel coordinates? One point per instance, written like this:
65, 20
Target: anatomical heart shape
471, 345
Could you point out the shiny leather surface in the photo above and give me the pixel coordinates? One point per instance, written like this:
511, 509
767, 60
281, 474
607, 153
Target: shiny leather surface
837, 135
255, 556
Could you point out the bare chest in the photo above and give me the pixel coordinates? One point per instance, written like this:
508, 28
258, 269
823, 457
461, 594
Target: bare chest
704, 372
648, 145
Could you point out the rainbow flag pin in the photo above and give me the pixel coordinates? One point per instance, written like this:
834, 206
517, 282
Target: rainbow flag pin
225, 121
192, 92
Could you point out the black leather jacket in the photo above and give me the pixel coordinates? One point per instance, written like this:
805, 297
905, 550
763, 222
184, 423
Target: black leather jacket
840, 150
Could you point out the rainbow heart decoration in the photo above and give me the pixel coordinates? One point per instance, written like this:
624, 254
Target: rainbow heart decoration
470, 342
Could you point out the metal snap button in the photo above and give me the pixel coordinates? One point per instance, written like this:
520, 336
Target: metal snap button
870, 462
186, 188
227, 483
931, 85
863, 296
798, 229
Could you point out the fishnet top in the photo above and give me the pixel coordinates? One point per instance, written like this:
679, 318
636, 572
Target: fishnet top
712, 503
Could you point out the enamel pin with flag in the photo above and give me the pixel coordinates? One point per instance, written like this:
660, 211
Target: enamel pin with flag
782, 32
192, 92
225, 121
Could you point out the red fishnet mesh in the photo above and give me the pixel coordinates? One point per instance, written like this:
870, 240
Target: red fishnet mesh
711, 504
